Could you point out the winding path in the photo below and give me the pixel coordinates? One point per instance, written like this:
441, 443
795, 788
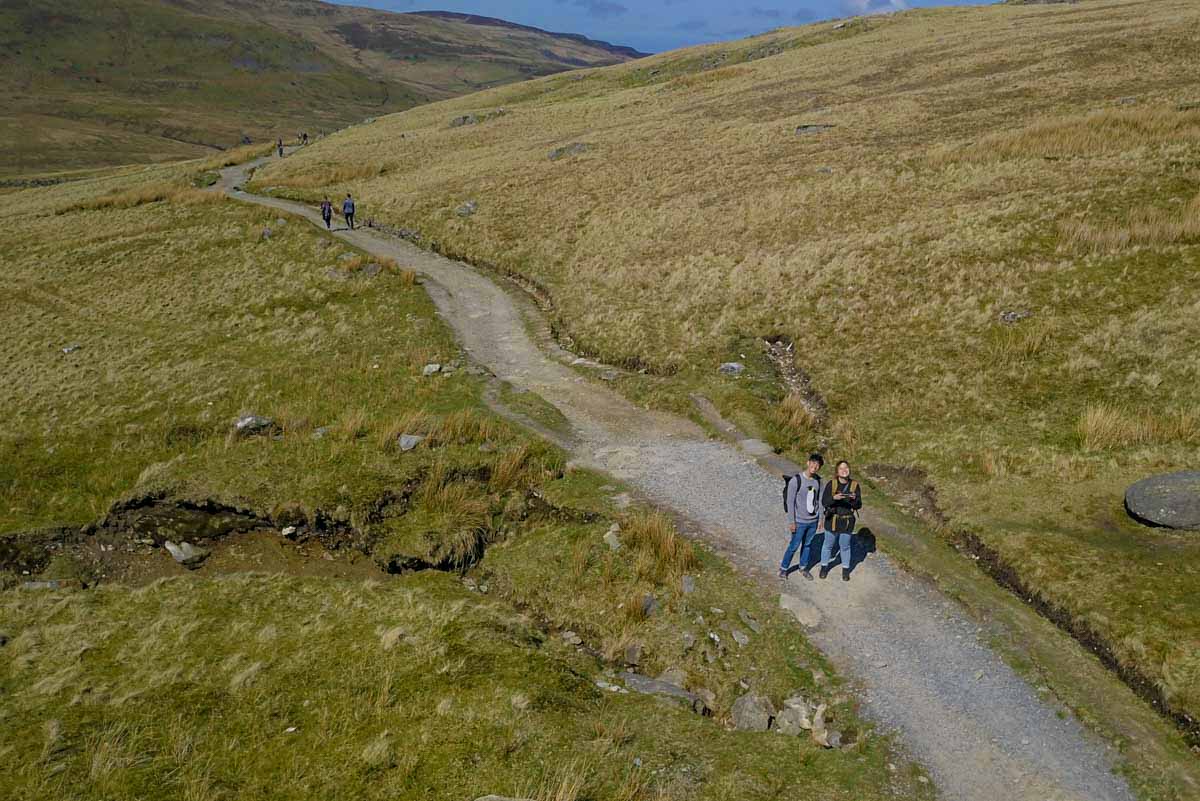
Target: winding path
979, 729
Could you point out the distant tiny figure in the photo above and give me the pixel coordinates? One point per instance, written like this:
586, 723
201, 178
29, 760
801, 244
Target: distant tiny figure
842, 499
348, 211
304, 138
279, 145
327, 213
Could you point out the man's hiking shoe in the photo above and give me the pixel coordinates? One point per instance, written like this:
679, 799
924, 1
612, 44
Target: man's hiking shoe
845, 574
806, 574
824, 571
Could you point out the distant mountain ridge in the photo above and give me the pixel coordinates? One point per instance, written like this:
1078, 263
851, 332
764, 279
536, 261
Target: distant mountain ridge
476, 19
90, 84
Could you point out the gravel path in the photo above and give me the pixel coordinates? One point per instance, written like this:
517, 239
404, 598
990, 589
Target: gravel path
978, 728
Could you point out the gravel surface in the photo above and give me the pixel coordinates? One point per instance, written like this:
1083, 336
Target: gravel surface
979, 728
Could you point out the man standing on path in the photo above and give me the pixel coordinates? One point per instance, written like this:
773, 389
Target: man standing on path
348, 211
802, 502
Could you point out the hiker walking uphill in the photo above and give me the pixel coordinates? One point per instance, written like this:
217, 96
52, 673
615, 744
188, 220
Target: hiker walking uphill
802, 502
327, 213
841, 500
348, 211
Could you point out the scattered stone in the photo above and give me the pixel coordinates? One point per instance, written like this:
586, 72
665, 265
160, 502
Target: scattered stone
649, 605
250, 424
609, 375
750, 621
732, 369
467, 209
834, 739
820, 734
825, 170
674, 675
662, 689
689, 641
571, 638
633, 655
574, 149
815, 128
805, 613
1011, 317
288, 531
716, 610
1171, 500
612, 538
466, 119
53, 584
752, 712
186, 554
337, 275
409, 441
840, 25
280, 222
373, 269
1127, 101
688, 585
431, 369
793, 720
320, 432
69, 349
610, 687
740, 638
266, 233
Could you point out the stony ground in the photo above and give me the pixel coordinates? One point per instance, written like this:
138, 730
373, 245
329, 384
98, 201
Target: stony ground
980, 728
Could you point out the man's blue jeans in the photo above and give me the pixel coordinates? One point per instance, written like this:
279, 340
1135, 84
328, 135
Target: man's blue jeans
802, 539
844, 541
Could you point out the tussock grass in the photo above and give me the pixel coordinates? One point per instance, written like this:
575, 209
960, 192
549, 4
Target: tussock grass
663, 556
142, 195
1151, 227
793, 414
1105, 427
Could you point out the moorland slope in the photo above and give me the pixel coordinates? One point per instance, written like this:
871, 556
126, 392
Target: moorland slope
980, 228
89, 84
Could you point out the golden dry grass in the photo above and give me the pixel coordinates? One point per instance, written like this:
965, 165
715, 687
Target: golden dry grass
1010, 158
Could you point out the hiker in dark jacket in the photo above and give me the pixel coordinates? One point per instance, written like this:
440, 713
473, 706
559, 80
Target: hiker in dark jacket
842, 499
802, 502
327, 213
279, 145
348, 211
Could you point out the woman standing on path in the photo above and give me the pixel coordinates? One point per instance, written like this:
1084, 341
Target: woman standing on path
842, 499
327, 213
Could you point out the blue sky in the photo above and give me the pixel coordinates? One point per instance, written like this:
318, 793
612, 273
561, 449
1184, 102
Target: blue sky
656, 25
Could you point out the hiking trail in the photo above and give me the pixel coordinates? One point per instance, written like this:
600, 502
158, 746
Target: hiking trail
979, 729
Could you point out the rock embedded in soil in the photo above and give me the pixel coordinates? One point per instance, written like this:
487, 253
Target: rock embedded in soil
186, 554
804, 130
409, 441
793, 720
688, 585
467, 209
740, 638
662, 689
250, 424
633, 655
1171, 500
750, 621
611, 538
574, 149
649, 605
69, 349
431, 369
752, 712
732, 369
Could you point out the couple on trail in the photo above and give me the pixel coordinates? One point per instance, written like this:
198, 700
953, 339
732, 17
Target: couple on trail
347, 212
812, 509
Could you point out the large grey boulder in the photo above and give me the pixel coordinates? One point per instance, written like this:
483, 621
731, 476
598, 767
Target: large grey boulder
1171, 500
752, 712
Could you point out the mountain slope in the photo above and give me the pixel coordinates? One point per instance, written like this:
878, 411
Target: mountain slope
90, 84
979, 226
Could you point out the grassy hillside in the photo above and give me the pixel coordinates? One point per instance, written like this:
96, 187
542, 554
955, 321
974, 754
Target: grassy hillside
142, 318
980, 226
152, 80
